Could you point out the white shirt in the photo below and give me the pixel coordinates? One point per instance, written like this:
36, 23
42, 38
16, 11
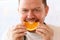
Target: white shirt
32, 36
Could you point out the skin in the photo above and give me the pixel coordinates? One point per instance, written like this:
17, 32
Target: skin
32, 10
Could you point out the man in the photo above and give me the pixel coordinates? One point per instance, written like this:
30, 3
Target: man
32, 10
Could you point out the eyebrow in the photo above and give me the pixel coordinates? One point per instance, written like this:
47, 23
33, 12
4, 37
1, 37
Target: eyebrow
37, 8
34, 8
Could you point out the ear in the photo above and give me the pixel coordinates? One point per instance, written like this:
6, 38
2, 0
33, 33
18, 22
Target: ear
46, 10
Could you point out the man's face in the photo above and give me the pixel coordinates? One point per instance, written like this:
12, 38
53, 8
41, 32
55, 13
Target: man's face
32, 10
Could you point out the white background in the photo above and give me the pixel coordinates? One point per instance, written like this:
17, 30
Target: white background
9, 14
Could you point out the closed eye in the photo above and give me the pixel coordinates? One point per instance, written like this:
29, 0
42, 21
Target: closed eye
25, 10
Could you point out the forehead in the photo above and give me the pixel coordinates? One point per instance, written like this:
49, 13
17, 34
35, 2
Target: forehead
30, 3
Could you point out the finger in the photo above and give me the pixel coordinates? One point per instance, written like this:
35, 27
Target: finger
18, 31
45, 32
19, 35
40, 33
42, 24
19, 27
45, 27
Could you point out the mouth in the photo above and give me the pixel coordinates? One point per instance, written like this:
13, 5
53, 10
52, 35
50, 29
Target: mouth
31, 20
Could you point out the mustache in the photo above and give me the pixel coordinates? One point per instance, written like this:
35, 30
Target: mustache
32, 19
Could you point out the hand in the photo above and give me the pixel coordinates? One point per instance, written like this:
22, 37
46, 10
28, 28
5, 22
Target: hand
18, 32
44, 31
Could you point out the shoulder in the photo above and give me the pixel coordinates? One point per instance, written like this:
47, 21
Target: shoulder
56, 30
54, 27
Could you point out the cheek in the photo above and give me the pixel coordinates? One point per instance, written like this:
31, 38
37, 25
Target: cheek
40, 16
22, 16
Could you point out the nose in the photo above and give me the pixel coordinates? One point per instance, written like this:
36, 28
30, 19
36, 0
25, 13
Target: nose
30, 14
